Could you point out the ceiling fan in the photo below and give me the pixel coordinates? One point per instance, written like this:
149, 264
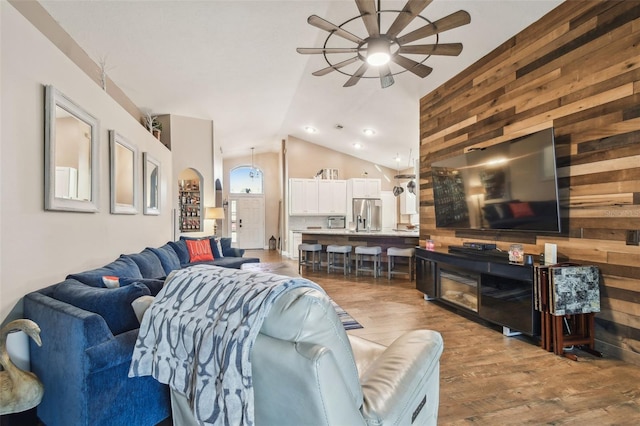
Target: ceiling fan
379, 49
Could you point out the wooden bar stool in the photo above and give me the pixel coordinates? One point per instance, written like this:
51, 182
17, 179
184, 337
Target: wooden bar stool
304, 250
392, 253
370, 254
345, 251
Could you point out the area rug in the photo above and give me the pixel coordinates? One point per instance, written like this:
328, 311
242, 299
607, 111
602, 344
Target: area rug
347, 320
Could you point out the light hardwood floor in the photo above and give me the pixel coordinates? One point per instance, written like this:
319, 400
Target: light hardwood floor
485, 377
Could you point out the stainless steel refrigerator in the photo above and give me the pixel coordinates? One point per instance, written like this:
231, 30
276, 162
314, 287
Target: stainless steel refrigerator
367, 214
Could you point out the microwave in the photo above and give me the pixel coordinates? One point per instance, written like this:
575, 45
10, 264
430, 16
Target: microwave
336, 222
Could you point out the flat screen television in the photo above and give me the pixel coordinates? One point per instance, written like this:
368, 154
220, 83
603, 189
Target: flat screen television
508, 186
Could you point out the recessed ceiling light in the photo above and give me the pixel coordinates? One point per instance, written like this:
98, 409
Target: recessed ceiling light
310, 129
369, 132
357, 145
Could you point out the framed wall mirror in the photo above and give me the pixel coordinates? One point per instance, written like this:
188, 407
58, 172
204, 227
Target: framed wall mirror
124, 174
151, 185
71, 155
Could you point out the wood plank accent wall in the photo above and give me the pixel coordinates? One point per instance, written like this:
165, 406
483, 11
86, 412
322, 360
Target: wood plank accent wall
578, 70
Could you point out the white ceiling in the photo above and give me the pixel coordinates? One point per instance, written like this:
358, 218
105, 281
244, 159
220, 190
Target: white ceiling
235, 62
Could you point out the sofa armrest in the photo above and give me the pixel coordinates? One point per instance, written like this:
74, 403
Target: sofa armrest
53, 315
402, 384
233, 252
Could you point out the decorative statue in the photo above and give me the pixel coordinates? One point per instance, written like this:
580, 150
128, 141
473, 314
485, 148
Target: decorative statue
19, 390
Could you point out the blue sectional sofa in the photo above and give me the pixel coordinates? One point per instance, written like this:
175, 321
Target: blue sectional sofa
88, 332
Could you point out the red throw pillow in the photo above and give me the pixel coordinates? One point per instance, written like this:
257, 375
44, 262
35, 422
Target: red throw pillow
521, 209
199, 250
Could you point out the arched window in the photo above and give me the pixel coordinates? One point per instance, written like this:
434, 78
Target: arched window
246, 180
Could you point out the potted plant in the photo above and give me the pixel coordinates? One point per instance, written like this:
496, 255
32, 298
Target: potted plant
153, 125
156, 127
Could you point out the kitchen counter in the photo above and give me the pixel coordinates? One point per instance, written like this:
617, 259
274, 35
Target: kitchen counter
383, 239
383, 233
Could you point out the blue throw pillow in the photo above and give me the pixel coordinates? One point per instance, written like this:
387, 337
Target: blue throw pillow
153, 284
168, 258
114, 305
225, 243
122, 267
212, 242
148, 263
180, 247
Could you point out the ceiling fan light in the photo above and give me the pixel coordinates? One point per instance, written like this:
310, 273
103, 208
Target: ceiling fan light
369, 132
378, 52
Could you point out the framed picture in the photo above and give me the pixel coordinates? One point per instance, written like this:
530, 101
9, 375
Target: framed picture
124, 175
71, 174
151, 184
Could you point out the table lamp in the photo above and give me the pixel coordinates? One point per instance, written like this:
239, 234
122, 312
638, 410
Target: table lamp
214, 213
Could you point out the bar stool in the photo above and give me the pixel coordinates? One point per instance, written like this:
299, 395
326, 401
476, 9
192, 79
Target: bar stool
332, 250
304, 250
374, 255
392, 253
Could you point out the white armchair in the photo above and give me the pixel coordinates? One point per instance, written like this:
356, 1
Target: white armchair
306, 371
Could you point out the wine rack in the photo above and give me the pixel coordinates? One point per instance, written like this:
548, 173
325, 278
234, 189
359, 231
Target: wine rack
189, 197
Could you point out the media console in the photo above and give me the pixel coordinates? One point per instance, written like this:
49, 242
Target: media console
481, 283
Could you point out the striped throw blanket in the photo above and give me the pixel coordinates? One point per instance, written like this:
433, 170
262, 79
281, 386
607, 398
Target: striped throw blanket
198, 333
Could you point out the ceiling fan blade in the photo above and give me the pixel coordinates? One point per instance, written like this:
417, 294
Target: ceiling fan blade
369, 14
386, 78
410, 11
357, 75
323, 24
449, 22
412, 66
327, 70
448, 49
318, 50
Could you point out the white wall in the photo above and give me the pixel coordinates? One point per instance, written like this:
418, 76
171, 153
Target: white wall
192, 147
39, 247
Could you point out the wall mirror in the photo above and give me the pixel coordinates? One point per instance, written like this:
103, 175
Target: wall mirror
124, 172
71, 155
151, 171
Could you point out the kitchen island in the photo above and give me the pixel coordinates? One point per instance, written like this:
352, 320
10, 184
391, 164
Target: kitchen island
384, 238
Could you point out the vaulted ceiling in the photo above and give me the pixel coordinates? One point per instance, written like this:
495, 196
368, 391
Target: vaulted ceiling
235, 62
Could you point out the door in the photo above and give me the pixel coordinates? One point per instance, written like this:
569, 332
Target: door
247, 222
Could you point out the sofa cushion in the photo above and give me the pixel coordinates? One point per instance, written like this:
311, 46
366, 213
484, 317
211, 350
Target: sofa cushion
153, 284
199, 250
121, 267
148, 263
114, 305
180, 247
168, 258
227, 250
213, 241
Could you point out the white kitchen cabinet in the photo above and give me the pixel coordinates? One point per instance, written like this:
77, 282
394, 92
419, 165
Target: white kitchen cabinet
332, 197
303, 197
295, 239
365, 188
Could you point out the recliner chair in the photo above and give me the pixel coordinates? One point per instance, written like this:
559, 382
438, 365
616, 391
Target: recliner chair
307, 371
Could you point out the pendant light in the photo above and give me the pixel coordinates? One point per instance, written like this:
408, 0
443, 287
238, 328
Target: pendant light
253, 173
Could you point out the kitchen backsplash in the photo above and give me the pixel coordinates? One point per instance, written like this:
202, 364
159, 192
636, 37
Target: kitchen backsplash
299, 223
